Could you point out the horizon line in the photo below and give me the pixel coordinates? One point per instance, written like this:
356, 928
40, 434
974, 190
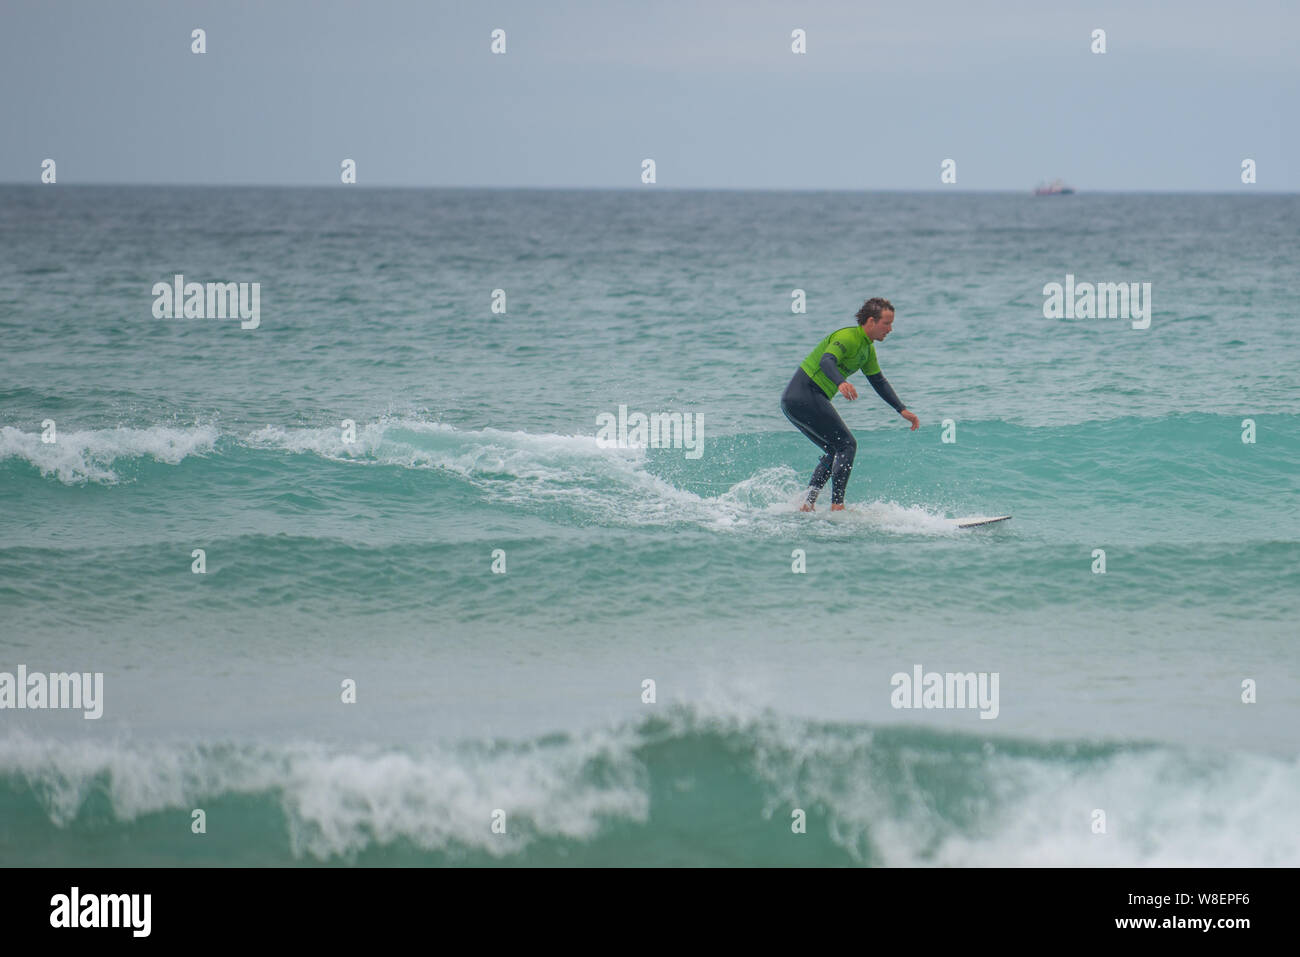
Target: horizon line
655, 188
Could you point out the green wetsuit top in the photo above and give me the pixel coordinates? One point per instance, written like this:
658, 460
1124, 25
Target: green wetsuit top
852, 351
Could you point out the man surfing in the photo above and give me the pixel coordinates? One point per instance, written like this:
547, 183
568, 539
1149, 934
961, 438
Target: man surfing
806, 401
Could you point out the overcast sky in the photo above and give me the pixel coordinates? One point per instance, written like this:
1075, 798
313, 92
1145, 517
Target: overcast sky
707, 88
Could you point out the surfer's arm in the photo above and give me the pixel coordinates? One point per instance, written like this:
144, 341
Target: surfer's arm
831, 368
885, 390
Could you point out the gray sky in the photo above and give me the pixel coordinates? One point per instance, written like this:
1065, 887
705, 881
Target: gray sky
707, 88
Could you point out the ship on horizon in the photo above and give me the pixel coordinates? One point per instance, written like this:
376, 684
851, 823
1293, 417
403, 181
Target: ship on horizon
1055, 188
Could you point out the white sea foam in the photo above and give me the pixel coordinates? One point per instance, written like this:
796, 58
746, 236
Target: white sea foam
338, 803
88, 456
1025, 805
883, 794
608, 485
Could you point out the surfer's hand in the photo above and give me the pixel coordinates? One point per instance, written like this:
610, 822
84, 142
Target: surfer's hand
911, 417
847, 390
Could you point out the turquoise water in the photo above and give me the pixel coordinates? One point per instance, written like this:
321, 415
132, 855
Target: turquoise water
521, 692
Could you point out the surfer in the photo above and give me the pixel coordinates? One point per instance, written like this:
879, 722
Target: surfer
806, 401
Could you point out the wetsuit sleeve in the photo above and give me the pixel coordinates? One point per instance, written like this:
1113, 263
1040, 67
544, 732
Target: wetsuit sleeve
885, 390
832, 370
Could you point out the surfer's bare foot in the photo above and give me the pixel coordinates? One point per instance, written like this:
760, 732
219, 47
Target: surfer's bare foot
837, 508
806, 507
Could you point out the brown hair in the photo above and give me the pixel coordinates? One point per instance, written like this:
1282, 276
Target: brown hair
872, 308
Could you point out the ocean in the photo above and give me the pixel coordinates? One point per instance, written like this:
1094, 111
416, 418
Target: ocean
366, 585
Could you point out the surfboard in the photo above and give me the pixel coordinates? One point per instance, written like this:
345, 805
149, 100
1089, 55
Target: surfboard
974, 521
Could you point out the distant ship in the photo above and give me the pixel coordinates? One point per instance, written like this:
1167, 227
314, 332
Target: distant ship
1054, 188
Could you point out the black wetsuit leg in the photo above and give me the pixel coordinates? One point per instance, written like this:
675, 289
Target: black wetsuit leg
808, 409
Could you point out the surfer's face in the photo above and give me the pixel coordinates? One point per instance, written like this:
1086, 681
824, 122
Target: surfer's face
877, 329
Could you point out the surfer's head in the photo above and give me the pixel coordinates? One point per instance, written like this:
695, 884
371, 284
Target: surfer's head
876, 317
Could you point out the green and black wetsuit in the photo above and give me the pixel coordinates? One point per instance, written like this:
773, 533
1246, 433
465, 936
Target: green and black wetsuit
807, 403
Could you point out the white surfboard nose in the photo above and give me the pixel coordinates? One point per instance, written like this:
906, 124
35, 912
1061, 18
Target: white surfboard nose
972, 521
